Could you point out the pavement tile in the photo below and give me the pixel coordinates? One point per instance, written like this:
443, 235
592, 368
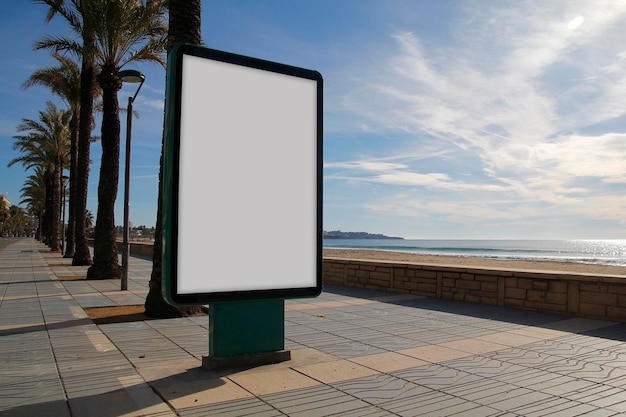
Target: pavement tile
359, 301
369, 411
381, 388
473, 387
320, 338
300, 307
540, 332
330, 304
119, 403
435, 376
469, 332
592, 341
579, 325
515, 400
558, 348
434, 338
186, 385
52, 407
605, 358
585, 370
553, 384
523, 356
508, 339
317, 401
340, 370
392, 343
598, 395
245, 407
435, 403
388, 361
475, 346
619, 382
361, 334
306, 356
434, 354
270, 382
555, 406
601, 413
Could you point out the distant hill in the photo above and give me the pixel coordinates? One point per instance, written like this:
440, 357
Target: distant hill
338, 234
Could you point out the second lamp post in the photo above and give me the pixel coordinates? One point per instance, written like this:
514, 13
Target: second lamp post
128, 76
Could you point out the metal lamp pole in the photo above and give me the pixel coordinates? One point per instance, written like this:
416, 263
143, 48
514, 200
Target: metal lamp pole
128, 76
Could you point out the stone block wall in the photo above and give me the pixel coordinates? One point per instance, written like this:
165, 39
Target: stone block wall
598, 296
141, 248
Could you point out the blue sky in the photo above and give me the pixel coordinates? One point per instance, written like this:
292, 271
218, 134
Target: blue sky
446, 119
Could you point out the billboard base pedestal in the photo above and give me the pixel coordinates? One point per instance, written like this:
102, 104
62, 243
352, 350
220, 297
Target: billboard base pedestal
245, 361
246, 333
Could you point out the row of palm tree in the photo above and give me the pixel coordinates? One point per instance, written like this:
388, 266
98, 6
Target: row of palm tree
107, 35
64, 81
45, 147
14, 221
113, 34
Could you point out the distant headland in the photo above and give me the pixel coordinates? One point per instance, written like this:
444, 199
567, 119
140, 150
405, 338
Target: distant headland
338, 234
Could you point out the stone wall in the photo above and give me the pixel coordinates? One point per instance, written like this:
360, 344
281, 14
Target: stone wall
136, 248
597, 296
140, 248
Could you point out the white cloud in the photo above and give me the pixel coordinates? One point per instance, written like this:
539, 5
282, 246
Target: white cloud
158, 104
602, 157
524, 90
400, 175
365, 165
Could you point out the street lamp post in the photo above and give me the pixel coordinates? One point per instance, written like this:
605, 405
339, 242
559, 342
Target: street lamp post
128, 76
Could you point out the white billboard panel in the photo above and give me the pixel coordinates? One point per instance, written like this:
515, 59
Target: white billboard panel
242, 178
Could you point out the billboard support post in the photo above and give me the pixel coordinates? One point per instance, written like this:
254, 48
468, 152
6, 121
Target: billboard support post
246, 333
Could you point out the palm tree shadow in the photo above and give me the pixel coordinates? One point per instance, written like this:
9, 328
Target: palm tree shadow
189, 388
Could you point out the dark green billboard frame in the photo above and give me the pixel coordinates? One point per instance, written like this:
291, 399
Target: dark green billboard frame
207, 66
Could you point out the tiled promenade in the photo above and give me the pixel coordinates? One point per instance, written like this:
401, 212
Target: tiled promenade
354, 353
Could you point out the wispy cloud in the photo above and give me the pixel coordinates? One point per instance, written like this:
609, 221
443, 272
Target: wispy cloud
399, 174
158, 104
529, 92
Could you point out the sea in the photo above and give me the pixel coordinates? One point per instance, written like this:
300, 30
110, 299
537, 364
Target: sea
601, 252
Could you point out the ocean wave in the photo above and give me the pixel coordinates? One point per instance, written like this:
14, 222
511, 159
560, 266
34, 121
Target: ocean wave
589, 252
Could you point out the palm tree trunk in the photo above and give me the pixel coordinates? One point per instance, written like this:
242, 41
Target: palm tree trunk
82, 256
69, 243
39, 234
105, 258
184, 26
55, 215
47, 222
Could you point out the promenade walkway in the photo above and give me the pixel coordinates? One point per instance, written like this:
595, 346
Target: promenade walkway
354, 353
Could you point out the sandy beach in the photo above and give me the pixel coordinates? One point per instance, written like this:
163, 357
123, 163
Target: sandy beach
475, 262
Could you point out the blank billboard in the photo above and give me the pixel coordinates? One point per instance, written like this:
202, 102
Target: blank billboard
242, 178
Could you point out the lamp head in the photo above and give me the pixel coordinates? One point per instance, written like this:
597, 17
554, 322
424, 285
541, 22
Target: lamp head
132, 76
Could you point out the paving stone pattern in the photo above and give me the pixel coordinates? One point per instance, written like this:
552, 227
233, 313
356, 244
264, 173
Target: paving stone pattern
354, 353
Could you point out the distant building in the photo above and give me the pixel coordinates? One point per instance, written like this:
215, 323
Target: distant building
4, 199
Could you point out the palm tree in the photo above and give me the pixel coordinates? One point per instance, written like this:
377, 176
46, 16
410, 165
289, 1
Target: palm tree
64, 81
114, 33
34, 195
47, 144
18, 221
184, 26
4, 214
128, 31
80, 16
